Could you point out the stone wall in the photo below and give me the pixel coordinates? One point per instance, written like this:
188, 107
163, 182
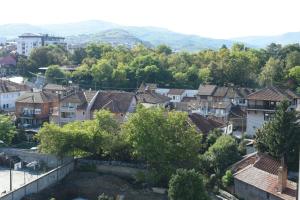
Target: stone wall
41, 183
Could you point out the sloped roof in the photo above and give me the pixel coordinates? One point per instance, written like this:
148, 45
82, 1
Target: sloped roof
206, 90
8, 60
205, 125
50, 86
266, 181
176, 91
115, 101
8, 86
147, 86
261, 171
89, 95
272, 94
37, 97
151, 97
221, 104
220, 92
77, 97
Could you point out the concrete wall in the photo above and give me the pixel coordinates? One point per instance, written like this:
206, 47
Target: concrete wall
30, 156
255, 120
41, 183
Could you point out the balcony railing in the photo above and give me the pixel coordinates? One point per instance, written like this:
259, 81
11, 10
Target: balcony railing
262, 107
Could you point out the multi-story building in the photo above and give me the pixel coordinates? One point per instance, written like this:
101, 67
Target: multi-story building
262, 105
34, 108
7, 65
9, 92
29, 41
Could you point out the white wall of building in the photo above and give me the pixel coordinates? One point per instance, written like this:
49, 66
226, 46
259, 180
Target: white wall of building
8, 100
255, 120
25, 45
162, 91
190, 93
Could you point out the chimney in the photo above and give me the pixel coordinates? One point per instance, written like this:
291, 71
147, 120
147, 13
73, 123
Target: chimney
282, 177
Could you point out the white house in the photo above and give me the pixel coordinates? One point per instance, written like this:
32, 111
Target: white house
9, 92
29, 41
262, 105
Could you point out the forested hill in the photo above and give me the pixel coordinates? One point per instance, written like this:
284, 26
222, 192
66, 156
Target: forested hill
96, 30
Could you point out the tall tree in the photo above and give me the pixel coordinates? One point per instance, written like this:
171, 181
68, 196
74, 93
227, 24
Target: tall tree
187, 185
164, 140
280, 137
272, 72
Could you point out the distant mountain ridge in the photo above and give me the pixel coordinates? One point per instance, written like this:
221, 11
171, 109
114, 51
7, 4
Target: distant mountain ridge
96, 30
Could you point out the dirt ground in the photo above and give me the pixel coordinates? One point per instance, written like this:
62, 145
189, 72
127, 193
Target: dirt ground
89, 185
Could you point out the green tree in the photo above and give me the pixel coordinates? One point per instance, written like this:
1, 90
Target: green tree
280, 137
164, 140
102, 71
187, 185
227, 179
163, 49
204, 75
272, 72
54, 74
7, 129
294, 73
220, 155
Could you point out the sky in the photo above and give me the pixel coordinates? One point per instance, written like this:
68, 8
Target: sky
209, 18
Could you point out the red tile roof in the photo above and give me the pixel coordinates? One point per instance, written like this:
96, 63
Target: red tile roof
206, 90
267, 182
260, 171
204, 124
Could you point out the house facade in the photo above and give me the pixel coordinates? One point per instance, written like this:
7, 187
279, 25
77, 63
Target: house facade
34, 108
9, 93
29, 41
262, 104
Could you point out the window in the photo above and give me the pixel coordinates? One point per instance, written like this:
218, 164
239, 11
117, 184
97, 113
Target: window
7, 105
67, 114
268, 116
37, 111
242, 101
173, 97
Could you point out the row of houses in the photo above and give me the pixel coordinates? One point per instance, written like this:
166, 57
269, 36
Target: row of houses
246, 109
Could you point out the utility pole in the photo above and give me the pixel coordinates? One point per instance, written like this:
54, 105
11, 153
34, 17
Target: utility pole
10, 176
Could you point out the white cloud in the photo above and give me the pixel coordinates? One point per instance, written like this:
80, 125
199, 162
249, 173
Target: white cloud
211, 18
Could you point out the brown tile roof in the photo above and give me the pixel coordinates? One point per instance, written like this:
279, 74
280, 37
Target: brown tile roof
220, 92
89, 95
115, 101
206, 90
204, 124
8, 86
267, 163
147, 86
8, 60
176, 91
188, 99
151, 97
272, 94
77, 97
37, 97
266, 181
55, 87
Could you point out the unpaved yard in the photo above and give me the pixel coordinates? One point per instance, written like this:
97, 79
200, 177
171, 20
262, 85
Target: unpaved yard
91, 184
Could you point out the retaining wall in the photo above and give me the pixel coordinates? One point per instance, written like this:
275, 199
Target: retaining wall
41, 183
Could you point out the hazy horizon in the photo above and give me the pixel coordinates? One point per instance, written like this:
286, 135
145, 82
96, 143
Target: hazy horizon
214, 18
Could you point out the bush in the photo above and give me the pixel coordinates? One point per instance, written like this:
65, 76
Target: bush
227, 179
187, 185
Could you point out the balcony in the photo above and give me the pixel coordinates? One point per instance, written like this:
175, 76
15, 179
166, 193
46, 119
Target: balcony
261, 107
27, 115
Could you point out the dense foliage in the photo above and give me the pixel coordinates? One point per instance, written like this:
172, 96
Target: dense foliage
104, 66
7, 129
187, 185
281, 136
163, 140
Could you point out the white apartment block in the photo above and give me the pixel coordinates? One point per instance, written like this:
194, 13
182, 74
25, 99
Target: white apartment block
29, 41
